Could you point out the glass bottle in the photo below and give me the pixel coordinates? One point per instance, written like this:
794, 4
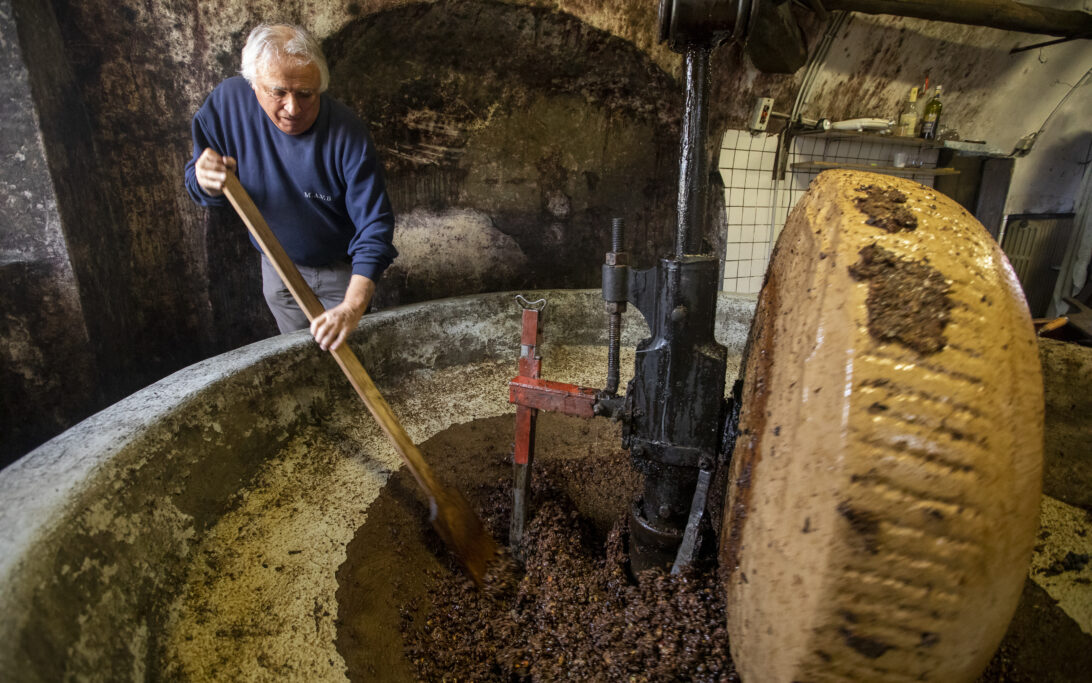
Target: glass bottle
930, 120
908, 117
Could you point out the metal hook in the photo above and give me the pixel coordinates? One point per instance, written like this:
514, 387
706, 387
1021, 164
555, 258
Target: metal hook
533, 305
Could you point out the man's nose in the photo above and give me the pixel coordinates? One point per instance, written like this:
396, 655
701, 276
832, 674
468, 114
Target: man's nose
291, 105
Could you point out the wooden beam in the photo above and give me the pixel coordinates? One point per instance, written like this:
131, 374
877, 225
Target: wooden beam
1002, 14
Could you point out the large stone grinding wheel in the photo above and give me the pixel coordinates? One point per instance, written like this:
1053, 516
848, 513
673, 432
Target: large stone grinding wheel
886, 480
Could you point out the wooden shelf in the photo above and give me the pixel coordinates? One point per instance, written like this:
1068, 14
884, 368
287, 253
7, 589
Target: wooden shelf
872, 137
816, 166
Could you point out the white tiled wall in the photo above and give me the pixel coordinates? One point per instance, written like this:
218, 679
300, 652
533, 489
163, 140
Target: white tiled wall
757, 205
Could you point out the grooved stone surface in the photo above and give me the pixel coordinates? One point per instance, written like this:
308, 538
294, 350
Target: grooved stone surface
886, 480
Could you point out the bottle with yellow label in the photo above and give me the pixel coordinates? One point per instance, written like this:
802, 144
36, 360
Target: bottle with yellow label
930, 120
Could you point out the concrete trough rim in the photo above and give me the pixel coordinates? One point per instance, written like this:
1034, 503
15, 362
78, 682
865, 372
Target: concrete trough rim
49, 487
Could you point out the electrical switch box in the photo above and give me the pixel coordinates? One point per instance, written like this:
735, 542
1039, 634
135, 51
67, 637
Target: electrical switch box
760, 117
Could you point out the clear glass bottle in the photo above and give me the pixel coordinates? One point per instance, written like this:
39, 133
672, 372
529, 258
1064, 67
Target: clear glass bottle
908, 117
930, 119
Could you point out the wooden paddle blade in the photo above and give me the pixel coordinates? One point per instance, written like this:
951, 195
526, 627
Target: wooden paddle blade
462, 531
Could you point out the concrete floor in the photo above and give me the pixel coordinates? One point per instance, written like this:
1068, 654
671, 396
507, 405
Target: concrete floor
1062, 564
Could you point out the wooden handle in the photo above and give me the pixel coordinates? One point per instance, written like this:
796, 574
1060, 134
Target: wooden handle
344, 356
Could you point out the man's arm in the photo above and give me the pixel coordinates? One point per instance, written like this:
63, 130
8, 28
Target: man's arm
332, 328
371, 249
204, 187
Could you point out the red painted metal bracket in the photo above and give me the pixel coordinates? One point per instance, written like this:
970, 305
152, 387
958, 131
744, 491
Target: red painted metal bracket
530, 364
541, 394
531, 394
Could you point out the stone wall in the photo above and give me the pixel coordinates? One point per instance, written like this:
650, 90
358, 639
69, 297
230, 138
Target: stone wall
46, 362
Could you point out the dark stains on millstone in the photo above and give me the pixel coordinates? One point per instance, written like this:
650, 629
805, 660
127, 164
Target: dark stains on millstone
864, 523
885, 208
869, 647
907, 301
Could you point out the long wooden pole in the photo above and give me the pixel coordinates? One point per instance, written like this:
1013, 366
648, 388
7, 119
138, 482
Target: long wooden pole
452, 516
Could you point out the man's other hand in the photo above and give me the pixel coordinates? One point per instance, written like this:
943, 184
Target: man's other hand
334, 326
212, 170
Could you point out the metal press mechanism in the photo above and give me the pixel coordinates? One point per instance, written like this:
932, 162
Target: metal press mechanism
673, 411
676, 422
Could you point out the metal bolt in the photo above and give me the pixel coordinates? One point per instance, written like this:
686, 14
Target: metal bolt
616, 227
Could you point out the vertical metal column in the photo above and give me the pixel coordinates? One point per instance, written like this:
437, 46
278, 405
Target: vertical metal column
693, 165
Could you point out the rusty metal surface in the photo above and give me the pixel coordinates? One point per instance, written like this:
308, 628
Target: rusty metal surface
559, 397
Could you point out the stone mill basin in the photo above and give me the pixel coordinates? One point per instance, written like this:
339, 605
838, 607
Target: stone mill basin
204, 527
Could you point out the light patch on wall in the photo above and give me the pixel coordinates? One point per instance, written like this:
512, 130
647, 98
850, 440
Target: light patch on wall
454, 246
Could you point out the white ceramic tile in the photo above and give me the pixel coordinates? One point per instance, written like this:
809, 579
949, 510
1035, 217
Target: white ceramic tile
731, 138
735, 215
736, 197
749, 212
727, 158
754, 284
732, 251
731, 268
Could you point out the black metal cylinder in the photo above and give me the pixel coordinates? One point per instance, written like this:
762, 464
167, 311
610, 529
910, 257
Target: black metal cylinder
693, 165
614, 276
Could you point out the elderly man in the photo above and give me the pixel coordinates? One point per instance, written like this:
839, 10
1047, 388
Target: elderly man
310, 166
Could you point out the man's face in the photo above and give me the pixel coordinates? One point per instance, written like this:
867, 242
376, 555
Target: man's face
289, 94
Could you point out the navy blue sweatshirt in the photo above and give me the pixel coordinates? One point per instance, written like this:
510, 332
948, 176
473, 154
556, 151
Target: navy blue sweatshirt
322, 192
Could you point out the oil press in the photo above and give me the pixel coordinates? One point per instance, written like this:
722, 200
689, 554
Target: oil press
674, 416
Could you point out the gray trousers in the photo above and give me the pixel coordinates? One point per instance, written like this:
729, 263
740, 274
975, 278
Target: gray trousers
328, 282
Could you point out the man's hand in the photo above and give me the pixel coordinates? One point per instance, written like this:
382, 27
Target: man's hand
211, 170
333, 327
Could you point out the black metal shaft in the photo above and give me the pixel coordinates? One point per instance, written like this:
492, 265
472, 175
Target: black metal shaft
614, 342
614, 317
693, 165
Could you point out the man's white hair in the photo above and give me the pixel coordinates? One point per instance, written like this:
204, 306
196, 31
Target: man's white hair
269, 44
